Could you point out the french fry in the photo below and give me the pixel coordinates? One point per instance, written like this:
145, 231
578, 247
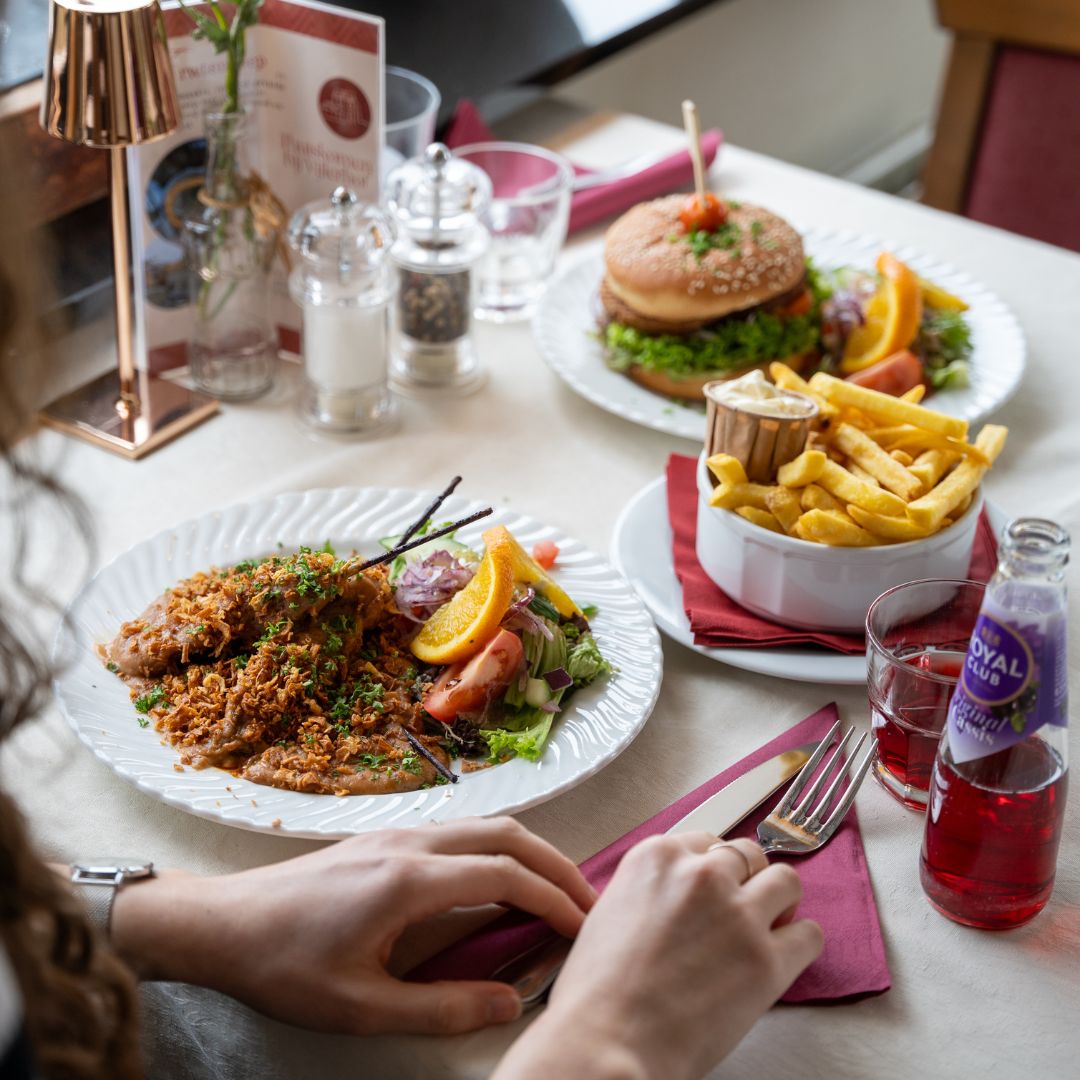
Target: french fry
903, 457
789, 379
915, 394
759, 517
931, 465
836, 529
784, 505
884, 408
898, 529
803, 470
930, 510
915, 439
864, 452
815, 497
862, 474
731, 496
725, 467
850, 489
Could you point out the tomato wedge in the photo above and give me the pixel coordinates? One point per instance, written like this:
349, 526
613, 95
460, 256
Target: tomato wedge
545, 552
706, 214
894, 375
471, 685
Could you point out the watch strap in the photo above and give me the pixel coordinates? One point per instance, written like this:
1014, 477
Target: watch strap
98, 896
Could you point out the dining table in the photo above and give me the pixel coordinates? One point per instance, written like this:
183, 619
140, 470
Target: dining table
963, 1002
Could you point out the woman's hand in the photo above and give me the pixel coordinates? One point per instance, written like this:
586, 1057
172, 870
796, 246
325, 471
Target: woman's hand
687, 947
307, 940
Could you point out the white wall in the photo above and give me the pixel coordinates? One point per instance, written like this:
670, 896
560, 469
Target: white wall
822, 83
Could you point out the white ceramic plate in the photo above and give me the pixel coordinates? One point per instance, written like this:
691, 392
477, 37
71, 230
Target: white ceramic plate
599, 723
641, 551
565, 330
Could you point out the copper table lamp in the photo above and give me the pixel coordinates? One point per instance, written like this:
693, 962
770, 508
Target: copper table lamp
109, 84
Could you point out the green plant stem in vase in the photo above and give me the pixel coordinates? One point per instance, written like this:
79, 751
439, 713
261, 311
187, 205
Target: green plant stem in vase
232, 350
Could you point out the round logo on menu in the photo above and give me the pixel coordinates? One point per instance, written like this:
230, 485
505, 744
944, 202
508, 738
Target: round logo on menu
344, 108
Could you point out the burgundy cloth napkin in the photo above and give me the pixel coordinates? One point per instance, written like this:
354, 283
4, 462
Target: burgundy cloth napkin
836, 885
717, 621
594, 204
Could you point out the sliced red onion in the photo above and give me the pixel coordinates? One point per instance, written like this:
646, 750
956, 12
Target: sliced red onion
558, 678
426, 585
519, 617
549, 706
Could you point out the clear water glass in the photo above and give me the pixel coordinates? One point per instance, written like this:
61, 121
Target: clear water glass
412, 110
527, 220
917, 635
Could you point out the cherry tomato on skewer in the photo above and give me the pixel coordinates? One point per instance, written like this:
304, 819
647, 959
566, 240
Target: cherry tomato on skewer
706, 215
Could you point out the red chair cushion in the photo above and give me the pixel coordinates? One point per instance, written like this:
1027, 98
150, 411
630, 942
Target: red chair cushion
1026, 174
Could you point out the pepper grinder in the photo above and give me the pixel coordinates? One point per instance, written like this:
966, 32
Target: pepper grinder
344, 283
436, 200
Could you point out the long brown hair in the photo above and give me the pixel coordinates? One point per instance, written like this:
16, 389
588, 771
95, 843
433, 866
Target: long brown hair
78, 998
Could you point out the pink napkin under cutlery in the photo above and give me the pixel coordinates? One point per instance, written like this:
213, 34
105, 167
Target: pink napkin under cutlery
837, 894
605, 200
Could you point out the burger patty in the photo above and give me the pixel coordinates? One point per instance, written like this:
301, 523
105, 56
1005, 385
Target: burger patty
616, 310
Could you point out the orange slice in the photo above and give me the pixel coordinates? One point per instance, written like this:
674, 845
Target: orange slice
461, 627
892, 317
527, 571
936, 297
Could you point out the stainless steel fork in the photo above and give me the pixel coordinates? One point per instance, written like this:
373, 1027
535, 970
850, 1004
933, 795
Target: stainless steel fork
793, 828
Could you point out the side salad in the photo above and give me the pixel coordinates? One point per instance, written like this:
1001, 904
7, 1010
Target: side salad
505, 646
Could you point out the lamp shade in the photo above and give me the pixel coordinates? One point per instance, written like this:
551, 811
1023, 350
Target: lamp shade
108, 76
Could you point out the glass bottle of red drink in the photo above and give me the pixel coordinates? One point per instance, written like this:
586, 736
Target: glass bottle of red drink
997, 793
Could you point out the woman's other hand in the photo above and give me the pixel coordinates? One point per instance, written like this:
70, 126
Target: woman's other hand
307, 940
688, 946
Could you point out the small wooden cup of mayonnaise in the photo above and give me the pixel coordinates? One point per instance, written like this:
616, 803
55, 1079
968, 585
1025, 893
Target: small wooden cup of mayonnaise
758, 423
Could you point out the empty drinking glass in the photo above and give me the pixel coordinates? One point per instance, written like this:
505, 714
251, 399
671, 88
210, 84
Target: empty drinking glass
527, 220
412, 109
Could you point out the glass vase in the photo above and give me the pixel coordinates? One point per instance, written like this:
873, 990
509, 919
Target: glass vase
232, 352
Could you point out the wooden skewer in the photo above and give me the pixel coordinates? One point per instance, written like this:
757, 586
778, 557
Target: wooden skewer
400, 549
693, 133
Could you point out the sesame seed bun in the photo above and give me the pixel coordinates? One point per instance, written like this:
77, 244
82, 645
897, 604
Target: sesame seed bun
653, 270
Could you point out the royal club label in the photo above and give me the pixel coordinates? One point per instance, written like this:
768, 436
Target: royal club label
1013, 681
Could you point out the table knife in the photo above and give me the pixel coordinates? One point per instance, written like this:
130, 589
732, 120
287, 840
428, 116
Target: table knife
532, 973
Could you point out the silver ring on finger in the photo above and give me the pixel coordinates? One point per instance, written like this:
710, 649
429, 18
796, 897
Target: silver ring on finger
738, 851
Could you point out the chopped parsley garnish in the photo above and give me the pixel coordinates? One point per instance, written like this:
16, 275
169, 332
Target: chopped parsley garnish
364, 692
307, 578
725, 237
342, 623
756, 229
733, 205
410, 763
242, 661
195, 629
590, 611
247, 567
110, 666
271, 631
153, 699
369, 761
333, 643
142, 721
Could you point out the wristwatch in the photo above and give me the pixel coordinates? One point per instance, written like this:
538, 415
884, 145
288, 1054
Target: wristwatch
100, 879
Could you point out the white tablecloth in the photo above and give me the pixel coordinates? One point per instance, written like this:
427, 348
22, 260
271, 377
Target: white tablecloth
963, 1003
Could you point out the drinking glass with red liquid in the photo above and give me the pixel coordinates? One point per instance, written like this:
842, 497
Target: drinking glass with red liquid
916, 639
997, 792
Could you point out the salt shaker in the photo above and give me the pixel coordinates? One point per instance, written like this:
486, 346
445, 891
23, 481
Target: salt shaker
344, 281
436, 200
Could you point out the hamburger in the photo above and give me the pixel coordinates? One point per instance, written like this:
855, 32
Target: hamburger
684, 305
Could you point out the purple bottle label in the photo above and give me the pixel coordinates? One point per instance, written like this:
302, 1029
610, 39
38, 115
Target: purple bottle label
1012, 682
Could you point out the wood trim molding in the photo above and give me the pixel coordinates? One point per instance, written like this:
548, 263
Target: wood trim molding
960, 113
62, 177
1043, 24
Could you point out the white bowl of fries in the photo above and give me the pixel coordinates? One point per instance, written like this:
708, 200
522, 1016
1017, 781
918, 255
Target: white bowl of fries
886, 492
